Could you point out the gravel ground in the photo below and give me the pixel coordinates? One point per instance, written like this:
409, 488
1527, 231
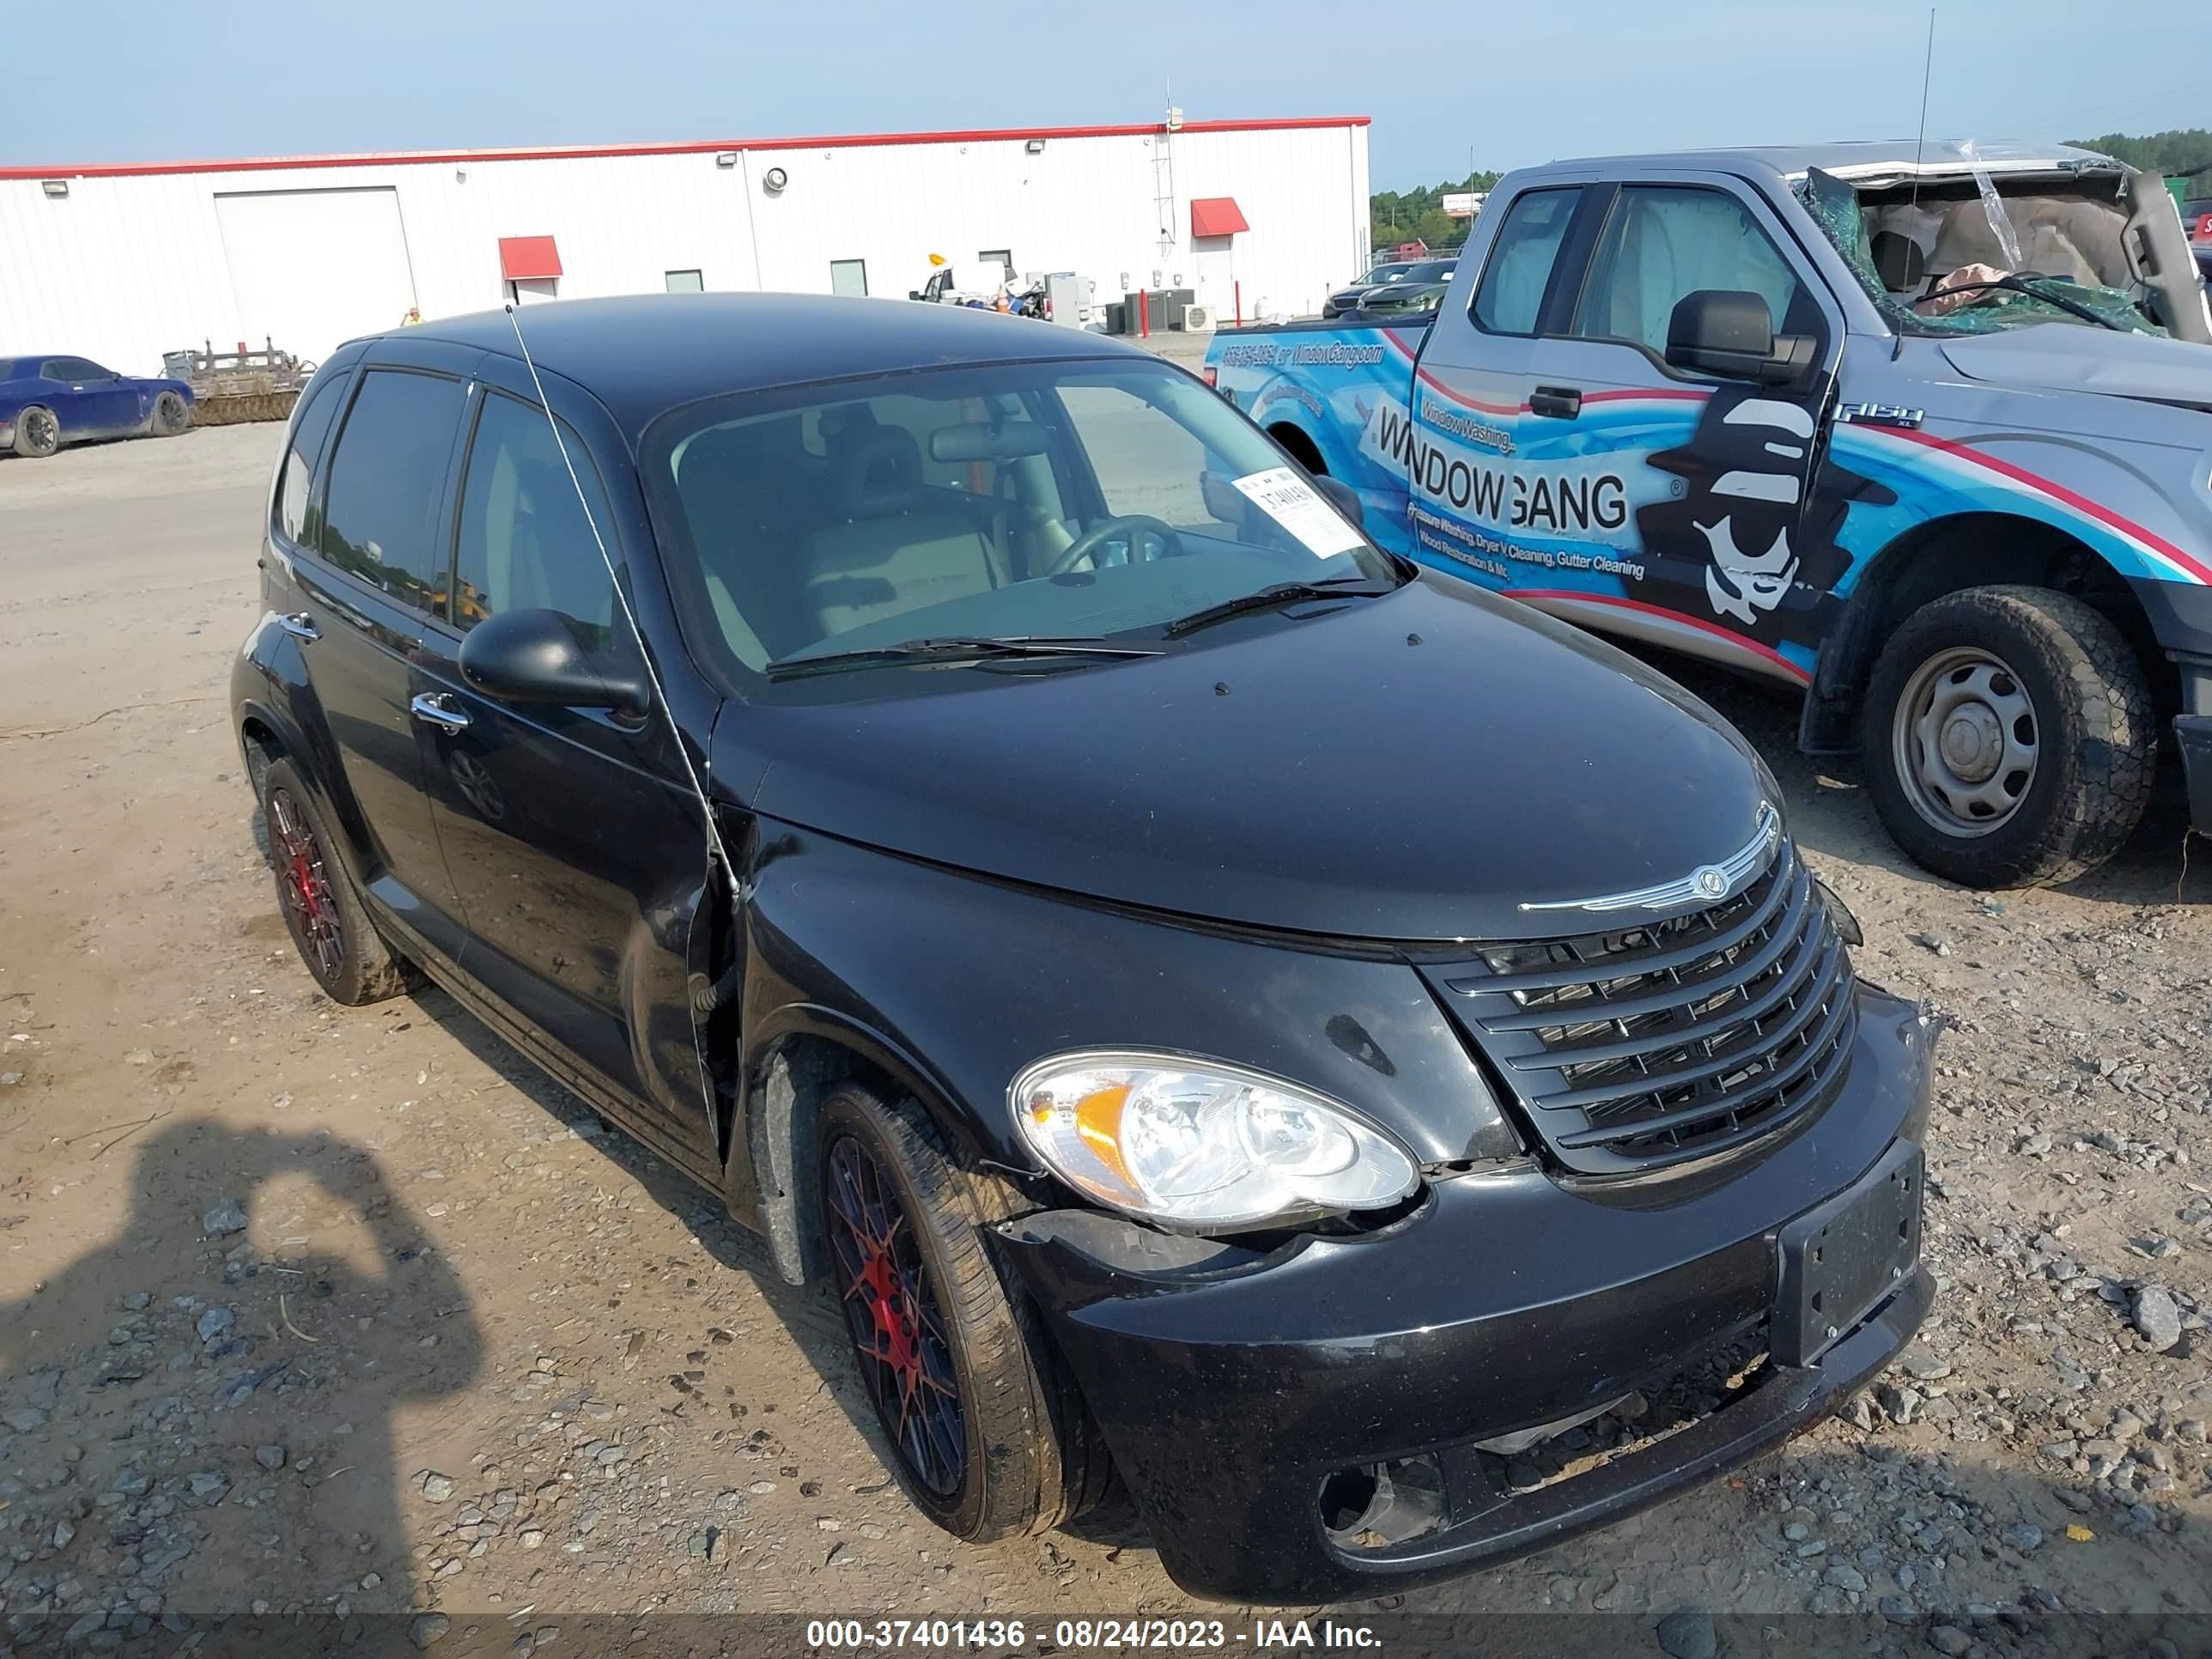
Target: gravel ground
311, 1312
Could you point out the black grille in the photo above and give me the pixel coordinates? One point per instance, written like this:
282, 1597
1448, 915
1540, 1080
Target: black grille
1647, 1044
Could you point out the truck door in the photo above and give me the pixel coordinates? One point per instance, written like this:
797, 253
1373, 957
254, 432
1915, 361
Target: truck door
1670, 501
1459, 437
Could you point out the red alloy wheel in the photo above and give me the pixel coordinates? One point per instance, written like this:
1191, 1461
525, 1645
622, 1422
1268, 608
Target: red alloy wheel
892, 1311
310, 906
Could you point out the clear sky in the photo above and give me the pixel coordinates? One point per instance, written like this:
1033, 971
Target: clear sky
1504, 85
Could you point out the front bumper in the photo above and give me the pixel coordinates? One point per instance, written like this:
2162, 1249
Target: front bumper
1229, 1390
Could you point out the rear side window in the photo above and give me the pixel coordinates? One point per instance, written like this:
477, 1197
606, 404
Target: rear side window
1520, 268
307, 435
387, 481
524, 542
1663, 243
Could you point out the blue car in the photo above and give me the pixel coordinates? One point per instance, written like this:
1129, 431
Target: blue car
47, 400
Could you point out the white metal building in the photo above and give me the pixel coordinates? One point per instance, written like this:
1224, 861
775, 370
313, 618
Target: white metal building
122, 262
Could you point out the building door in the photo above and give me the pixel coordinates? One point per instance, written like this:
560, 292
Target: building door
311, 269
1217, 275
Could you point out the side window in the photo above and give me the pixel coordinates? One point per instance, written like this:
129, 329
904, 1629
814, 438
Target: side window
75, 371
525, 543
1663, 242
1520, 267
1144, 463
308, 431
386, 480
849, 277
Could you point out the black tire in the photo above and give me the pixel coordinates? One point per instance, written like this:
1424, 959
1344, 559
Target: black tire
325, 915
38, 433
170, 415
2069, 779
1028, 1456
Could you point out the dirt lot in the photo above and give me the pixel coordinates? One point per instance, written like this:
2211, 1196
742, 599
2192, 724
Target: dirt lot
313, 1313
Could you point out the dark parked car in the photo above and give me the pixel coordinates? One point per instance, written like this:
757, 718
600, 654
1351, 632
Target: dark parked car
1348, 299
1214, 1001
1419, 287
47, 400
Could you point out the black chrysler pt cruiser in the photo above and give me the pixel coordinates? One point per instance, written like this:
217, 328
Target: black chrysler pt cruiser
1222, 1008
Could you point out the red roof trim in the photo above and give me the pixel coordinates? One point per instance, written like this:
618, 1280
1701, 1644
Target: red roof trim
528, 259
1216, 215
838, 141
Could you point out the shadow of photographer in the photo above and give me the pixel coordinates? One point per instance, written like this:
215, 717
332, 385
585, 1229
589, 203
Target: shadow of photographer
197, 1417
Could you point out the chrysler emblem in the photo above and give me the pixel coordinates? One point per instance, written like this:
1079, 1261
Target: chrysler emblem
1711, 881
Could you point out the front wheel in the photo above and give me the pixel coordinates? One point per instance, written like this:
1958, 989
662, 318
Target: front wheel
170, 415
2009, 737
988, 1436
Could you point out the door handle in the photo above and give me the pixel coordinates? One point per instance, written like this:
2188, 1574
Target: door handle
300, 626
431, 708
1561, 402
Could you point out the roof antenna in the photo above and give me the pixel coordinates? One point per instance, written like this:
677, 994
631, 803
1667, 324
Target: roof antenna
1919, 144
706, 807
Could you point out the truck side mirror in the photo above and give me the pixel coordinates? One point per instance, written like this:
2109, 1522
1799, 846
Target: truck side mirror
1730, 332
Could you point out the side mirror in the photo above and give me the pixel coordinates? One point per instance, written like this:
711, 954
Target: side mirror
535, 657
1731, 333
1343, 497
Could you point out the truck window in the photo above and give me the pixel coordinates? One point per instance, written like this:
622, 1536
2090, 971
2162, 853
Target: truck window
1520, 267
1665, 241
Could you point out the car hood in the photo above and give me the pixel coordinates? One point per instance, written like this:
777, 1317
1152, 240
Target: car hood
1415, 766
2060, 357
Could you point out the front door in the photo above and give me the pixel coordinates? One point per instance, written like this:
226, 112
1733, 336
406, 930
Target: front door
1462, 448
1678, 506
89, 400
574, 839
373, 575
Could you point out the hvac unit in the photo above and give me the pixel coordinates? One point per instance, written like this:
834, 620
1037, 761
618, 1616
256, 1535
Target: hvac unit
1197, 320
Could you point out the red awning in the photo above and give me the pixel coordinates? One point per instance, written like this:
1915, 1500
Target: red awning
528, 259
1216, 215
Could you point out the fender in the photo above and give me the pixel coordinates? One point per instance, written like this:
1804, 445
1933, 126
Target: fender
269, 685
875, 961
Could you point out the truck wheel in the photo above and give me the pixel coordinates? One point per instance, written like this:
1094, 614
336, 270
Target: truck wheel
325, 916
170, 415
989, 1436
38, 434
2009, 737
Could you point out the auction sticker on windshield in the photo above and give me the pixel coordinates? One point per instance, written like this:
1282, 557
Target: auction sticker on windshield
1294, 504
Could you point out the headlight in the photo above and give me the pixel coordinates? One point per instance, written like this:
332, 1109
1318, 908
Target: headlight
1201, 1142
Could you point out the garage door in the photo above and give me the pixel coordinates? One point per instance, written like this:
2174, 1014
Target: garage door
313, 268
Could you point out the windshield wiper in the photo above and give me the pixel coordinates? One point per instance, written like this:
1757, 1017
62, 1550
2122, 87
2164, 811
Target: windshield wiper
2018, 283
956, 648
1330, 587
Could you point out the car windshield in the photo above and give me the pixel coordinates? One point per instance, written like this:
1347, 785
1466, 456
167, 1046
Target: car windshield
1945, 258
1035, 501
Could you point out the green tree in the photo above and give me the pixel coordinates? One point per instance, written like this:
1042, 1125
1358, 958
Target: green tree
2177, 151
1408, 215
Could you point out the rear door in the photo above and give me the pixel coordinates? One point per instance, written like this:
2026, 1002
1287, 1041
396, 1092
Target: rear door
573, 836
374, 579
1672, 505
1469, 392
